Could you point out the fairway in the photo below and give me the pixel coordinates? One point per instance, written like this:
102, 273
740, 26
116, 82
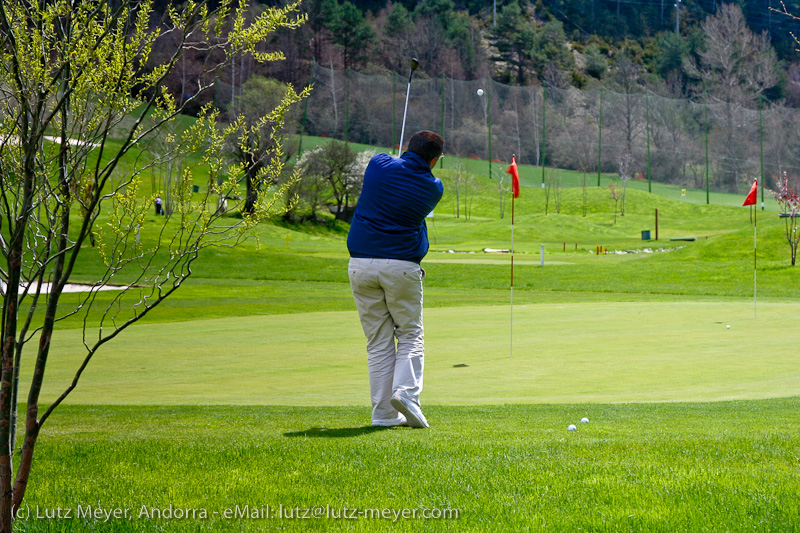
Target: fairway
562, 353
249, 389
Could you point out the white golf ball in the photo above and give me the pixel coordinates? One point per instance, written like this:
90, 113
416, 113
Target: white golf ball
728, 326
584, 420
480, 92
572, 427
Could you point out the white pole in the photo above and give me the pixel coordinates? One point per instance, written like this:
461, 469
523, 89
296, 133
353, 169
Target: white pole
511, 341
755, 261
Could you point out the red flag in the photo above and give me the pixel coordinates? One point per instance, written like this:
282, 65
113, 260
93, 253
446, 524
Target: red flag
512, 169
752, 195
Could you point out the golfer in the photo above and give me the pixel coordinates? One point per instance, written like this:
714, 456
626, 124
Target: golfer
388, 238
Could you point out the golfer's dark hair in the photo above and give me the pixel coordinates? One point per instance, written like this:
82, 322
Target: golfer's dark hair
426, 144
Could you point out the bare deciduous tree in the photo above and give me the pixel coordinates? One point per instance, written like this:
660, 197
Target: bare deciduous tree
553, 188
502, 194
615, 197
789, 202
736, 66
458, 181
625, 174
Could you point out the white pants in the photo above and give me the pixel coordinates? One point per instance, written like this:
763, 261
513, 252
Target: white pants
388, 295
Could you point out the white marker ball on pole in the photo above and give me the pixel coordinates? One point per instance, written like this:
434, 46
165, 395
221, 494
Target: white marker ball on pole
480, 92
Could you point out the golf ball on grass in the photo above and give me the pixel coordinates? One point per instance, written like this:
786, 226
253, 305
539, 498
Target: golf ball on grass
480, 92
584, 420
572, 427
728, 326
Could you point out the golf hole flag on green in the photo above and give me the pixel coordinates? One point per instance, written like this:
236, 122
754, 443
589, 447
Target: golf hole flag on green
512, 169
751, 196
751, 200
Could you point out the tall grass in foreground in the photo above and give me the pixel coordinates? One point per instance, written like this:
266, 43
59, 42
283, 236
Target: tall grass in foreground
729, 466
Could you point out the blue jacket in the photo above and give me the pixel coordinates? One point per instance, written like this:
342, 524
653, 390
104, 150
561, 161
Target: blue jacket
389, 221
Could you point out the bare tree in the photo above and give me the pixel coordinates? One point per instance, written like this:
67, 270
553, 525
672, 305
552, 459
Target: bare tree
552, 189
430, 45
458, 180
399, 35
469, 195
88, 88
736, 66
627, 111
625, 174
671, 159
615, 196
577, 146
789, 202
502, 193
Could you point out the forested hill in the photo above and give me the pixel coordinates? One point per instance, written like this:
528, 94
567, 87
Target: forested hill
634, 18
561, 43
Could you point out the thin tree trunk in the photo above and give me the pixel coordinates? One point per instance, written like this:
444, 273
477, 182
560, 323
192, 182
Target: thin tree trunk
9, 336
333, 98
252, 187
32, 424
233, 88
6, 407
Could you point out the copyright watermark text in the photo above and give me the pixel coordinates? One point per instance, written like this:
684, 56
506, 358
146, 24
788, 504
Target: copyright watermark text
102, 513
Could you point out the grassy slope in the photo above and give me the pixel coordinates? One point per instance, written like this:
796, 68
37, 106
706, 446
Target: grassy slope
272, 277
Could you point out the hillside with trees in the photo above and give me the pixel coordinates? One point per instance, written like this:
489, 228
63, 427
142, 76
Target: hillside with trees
698, 96
560, 43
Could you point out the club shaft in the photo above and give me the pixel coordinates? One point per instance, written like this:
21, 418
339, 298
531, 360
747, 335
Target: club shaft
405, 112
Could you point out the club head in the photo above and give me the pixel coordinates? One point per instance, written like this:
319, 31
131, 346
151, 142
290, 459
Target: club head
414, 63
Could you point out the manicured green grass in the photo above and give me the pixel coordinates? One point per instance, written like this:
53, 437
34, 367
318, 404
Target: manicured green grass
248, 387
309, 274
563, 352
723, 466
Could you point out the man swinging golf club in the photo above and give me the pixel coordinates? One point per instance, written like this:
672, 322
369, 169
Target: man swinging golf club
388, 238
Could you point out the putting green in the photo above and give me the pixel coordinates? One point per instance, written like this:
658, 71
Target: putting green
598, 352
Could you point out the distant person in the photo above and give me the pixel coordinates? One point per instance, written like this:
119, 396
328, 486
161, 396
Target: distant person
388, 238
159, 208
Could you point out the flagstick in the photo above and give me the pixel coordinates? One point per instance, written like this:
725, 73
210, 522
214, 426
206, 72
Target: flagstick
511, 350
512, 169
755, 260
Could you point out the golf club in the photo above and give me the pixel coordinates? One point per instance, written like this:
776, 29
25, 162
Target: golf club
414, 65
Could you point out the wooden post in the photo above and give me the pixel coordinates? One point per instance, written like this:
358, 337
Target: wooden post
656, 223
